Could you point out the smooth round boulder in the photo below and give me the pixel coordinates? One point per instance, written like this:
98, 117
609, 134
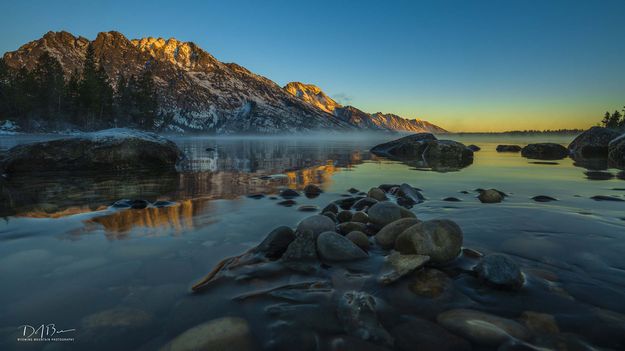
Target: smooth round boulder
593, 142
377, 193
332, 207
317, 224
360, 217
344, 216
441, 239
388, 234
384, 213
347, 227
359, 238
499, 271
223, 334
335, 247
482, 328
364, 203
490, 196
545, 151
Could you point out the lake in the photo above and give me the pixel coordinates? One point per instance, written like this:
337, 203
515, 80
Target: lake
121, 277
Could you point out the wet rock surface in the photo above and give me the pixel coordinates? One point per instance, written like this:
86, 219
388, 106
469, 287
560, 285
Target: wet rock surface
616, 152
111, 149
508, 148
482, 328
593, 142
335, 247
441, 240
545, 151
490, 196
499, 271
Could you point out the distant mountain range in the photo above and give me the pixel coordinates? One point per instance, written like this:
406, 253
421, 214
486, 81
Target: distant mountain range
198, 93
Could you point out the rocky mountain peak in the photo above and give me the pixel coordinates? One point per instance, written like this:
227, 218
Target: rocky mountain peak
313, 95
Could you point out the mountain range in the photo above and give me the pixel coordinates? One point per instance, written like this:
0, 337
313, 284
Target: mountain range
198, 93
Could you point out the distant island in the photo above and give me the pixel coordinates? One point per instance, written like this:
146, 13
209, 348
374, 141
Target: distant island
62, 82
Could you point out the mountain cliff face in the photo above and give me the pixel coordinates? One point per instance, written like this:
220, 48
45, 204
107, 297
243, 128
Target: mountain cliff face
351, 115
196, 92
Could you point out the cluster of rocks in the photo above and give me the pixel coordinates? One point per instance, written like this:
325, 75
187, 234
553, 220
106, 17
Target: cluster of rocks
425, 150
596, 148
396, 245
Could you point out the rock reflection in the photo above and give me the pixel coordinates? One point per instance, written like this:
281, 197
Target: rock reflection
173, 219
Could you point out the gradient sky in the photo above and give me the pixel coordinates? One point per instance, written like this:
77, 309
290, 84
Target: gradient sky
465, 65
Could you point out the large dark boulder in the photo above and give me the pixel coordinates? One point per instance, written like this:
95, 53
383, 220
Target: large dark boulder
424, 150
545, 151
508, 148
616, 152
447, 154
408, 147
106, 150
593, 142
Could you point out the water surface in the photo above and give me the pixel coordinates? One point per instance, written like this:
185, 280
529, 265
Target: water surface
121, 278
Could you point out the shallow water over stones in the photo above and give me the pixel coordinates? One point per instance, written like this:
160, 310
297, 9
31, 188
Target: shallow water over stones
71, 259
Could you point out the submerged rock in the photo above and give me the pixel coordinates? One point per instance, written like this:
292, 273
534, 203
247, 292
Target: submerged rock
335, 247
357, 311
545, 151
308, 208
606, 198
388, 234
430, 282
540, 322
423, 335
223, 334
598, 175
593, 142
474, 148
384, 213
399, 265
482, 328
490, 196
543, 198
500, 272
106, 150
441, 239
118, 317
508, 148
287, 203
316, 224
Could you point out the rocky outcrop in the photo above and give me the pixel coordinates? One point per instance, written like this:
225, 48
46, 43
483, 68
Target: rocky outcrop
427, 151
107, 150
545, 151
593, 142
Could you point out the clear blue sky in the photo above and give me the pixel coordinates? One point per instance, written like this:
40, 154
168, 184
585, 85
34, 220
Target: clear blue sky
466, 65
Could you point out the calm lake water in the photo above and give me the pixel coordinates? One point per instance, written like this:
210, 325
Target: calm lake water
121, 278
